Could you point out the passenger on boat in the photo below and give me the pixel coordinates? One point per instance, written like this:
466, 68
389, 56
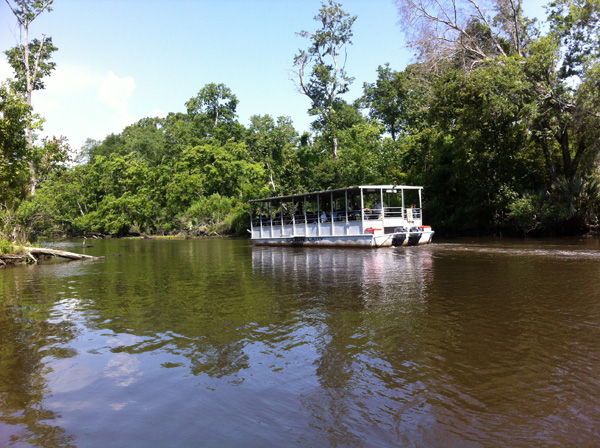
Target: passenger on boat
354, 211
375, 212
378, 208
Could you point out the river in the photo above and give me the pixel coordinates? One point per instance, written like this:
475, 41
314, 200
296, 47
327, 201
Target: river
215, 343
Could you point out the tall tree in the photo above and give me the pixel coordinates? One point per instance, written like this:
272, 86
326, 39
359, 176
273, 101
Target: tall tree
30, 60
561, 113
216, 102
569, 111
468, 31
273, 142
386, 99
321, 69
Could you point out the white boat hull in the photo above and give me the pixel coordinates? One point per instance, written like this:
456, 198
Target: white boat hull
383, 240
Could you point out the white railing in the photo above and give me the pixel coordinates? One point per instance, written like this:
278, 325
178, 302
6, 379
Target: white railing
336, 223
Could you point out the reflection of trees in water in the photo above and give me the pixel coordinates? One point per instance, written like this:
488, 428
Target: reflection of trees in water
188, 299
213, 315
219, 360
26, 338
205, 309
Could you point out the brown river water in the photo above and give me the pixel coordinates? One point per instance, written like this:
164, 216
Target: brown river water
215, 343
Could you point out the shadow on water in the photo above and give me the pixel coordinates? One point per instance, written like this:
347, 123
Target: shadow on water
465, 343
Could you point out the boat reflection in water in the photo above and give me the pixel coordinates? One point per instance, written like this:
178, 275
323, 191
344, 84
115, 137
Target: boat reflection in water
361, 311
374, 277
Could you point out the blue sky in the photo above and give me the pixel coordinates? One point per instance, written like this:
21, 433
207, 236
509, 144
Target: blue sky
122, 60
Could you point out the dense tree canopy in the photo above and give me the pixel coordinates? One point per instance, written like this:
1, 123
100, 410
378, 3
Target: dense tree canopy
498, 120
501, 89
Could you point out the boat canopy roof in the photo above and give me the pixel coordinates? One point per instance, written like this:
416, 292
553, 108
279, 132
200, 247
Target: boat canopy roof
340, 191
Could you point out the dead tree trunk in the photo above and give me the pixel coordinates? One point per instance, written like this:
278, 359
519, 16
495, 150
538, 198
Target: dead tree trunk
58, 253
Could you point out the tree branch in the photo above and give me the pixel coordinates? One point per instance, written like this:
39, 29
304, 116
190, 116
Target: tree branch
485, 20
38, 58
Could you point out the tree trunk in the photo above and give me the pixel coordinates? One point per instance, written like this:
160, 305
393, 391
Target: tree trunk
335, 148
32, 180
58, 253
30, 77
548, 157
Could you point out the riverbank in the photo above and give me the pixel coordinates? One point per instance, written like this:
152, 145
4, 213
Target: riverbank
14, 254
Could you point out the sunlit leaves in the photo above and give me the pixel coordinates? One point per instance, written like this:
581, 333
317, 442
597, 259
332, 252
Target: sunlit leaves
14, 118
576, 23
39, 55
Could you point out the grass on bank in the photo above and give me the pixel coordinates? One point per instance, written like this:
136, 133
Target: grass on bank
6, 246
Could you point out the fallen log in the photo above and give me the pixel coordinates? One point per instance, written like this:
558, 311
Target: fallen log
12, 257
58, 253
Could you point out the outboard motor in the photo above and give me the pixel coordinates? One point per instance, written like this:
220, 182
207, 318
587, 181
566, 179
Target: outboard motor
414, 236
399, 237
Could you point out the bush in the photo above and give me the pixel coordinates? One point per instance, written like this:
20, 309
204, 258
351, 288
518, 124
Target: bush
524, 213
214, 213
36, 217
6, 246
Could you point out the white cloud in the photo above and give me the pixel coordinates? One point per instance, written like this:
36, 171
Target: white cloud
72, 78
124, 369
115, 92
81, 103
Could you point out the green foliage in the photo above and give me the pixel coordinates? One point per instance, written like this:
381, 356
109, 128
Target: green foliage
26, 11
52, 156
218, 214
14, 119
6, 246
524, 213
327, 78
210, 210
39, 55
31, 62
481, 152
216, 102
274, 145
9, 230
576, 23
224, 169
387, 99
37, 217
486, 120
212, 113
361, 160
